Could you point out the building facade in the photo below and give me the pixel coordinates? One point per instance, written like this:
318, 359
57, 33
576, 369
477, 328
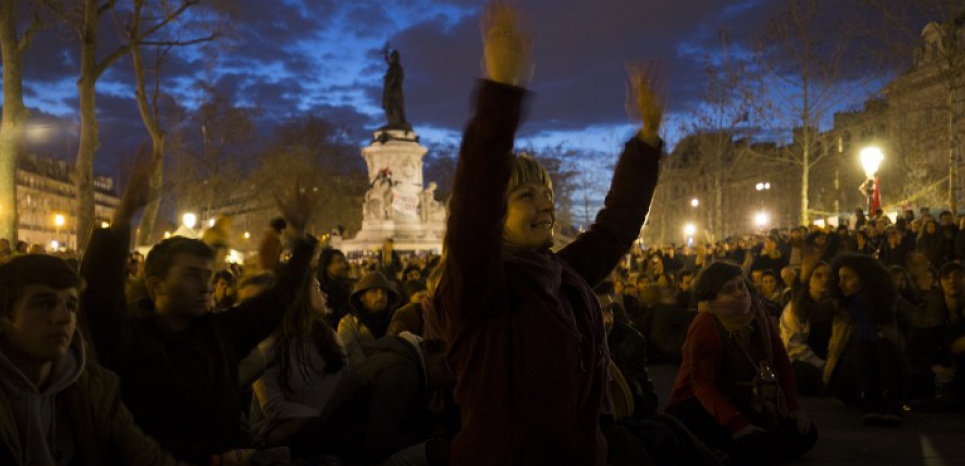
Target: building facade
47, 204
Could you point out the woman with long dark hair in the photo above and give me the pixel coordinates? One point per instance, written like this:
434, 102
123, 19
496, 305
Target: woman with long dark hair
806, 328
305, 361
866, 338
333, 276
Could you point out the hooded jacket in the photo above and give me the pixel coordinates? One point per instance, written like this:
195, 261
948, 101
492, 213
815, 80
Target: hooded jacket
77, 419
360, 329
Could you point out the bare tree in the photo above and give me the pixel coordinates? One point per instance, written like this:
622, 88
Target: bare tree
85, 18
813, 66
149, 108
13, 45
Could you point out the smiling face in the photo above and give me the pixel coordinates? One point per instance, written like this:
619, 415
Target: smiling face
530, 216
40, 326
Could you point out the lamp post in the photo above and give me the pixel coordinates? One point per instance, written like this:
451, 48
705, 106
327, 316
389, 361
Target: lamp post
871, 158
59, 222
189, 220
761, 219
689, 231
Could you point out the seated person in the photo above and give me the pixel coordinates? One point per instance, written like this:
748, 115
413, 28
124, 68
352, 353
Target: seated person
381, 406
178, 362
304, 362
58, 407
735, 389
373, 301
806, 329
937, 343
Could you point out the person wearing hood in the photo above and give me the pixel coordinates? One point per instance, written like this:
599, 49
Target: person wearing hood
373, 301
735, 388
56, 407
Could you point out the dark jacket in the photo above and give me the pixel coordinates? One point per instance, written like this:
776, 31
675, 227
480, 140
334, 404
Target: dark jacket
524, 327
182, 388
102, 430
378, 408
628, 349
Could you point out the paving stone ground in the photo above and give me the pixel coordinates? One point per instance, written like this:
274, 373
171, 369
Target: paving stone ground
924, 439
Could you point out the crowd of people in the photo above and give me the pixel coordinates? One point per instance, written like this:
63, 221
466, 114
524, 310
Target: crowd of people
502, 351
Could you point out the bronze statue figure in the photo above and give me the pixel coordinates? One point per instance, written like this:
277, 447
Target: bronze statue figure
393, 101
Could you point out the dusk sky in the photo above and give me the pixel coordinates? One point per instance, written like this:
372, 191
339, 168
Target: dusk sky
287, 57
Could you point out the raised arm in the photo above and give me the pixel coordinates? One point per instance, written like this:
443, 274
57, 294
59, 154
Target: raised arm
103, 302
478, 204
597, 251
253, 320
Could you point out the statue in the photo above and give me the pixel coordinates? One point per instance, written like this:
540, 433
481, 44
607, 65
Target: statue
393, 101
430, 210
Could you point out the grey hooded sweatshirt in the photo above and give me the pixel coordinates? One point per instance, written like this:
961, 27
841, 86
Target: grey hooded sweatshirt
45, 431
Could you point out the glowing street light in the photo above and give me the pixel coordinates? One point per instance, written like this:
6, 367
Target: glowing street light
247, 235
762, 186
211, 222
761, 219
694, 202
871, 158
59, 220
189, 220
105, 225
167, 234
690, 229
54, 245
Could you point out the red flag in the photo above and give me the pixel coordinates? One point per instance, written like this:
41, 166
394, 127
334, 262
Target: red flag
876, 197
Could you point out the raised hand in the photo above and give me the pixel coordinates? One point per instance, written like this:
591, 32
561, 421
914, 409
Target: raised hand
137, 194
646, 104
296, 205
507, 49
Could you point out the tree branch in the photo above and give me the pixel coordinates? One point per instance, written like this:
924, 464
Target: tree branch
177, 43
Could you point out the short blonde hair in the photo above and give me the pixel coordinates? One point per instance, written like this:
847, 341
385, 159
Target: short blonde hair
526, 169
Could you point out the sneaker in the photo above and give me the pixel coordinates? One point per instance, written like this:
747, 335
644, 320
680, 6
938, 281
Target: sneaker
871, 417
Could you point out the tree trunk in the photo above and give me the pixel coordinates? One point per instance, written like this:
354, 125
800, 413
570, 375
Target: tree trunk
952, 163
805, 180
151, 121
84, 181
148, 223
14, 116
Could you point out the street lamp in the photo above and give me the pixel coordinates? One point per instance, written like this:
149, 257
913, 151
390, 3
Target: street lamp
59, 222
694, 202
761, 219
762, 186
189, 220
871, 158
689, 231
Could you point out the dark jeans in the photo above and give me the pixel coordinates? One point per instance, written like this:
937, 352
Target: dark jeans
782, 443
810, 379
869, 372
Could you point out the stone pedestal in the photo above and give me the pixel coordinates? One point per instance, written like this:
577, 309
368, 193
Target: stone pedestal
397, 205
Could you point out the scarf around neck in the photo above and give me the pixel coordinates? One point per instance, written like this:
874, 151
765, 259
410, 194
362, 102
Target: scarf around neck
733, 315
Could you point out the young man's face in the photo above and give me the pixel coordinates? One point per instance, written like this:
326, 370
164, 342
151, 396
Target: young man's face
375, 300
40, 326
186, 291
530, 217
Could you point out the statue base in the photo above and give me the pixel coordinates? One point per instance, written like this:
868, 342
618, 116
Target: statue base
394, 202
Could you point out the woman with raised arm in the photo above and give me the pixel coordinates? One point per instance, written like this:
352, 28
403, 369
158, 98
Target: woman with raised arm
525, 330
